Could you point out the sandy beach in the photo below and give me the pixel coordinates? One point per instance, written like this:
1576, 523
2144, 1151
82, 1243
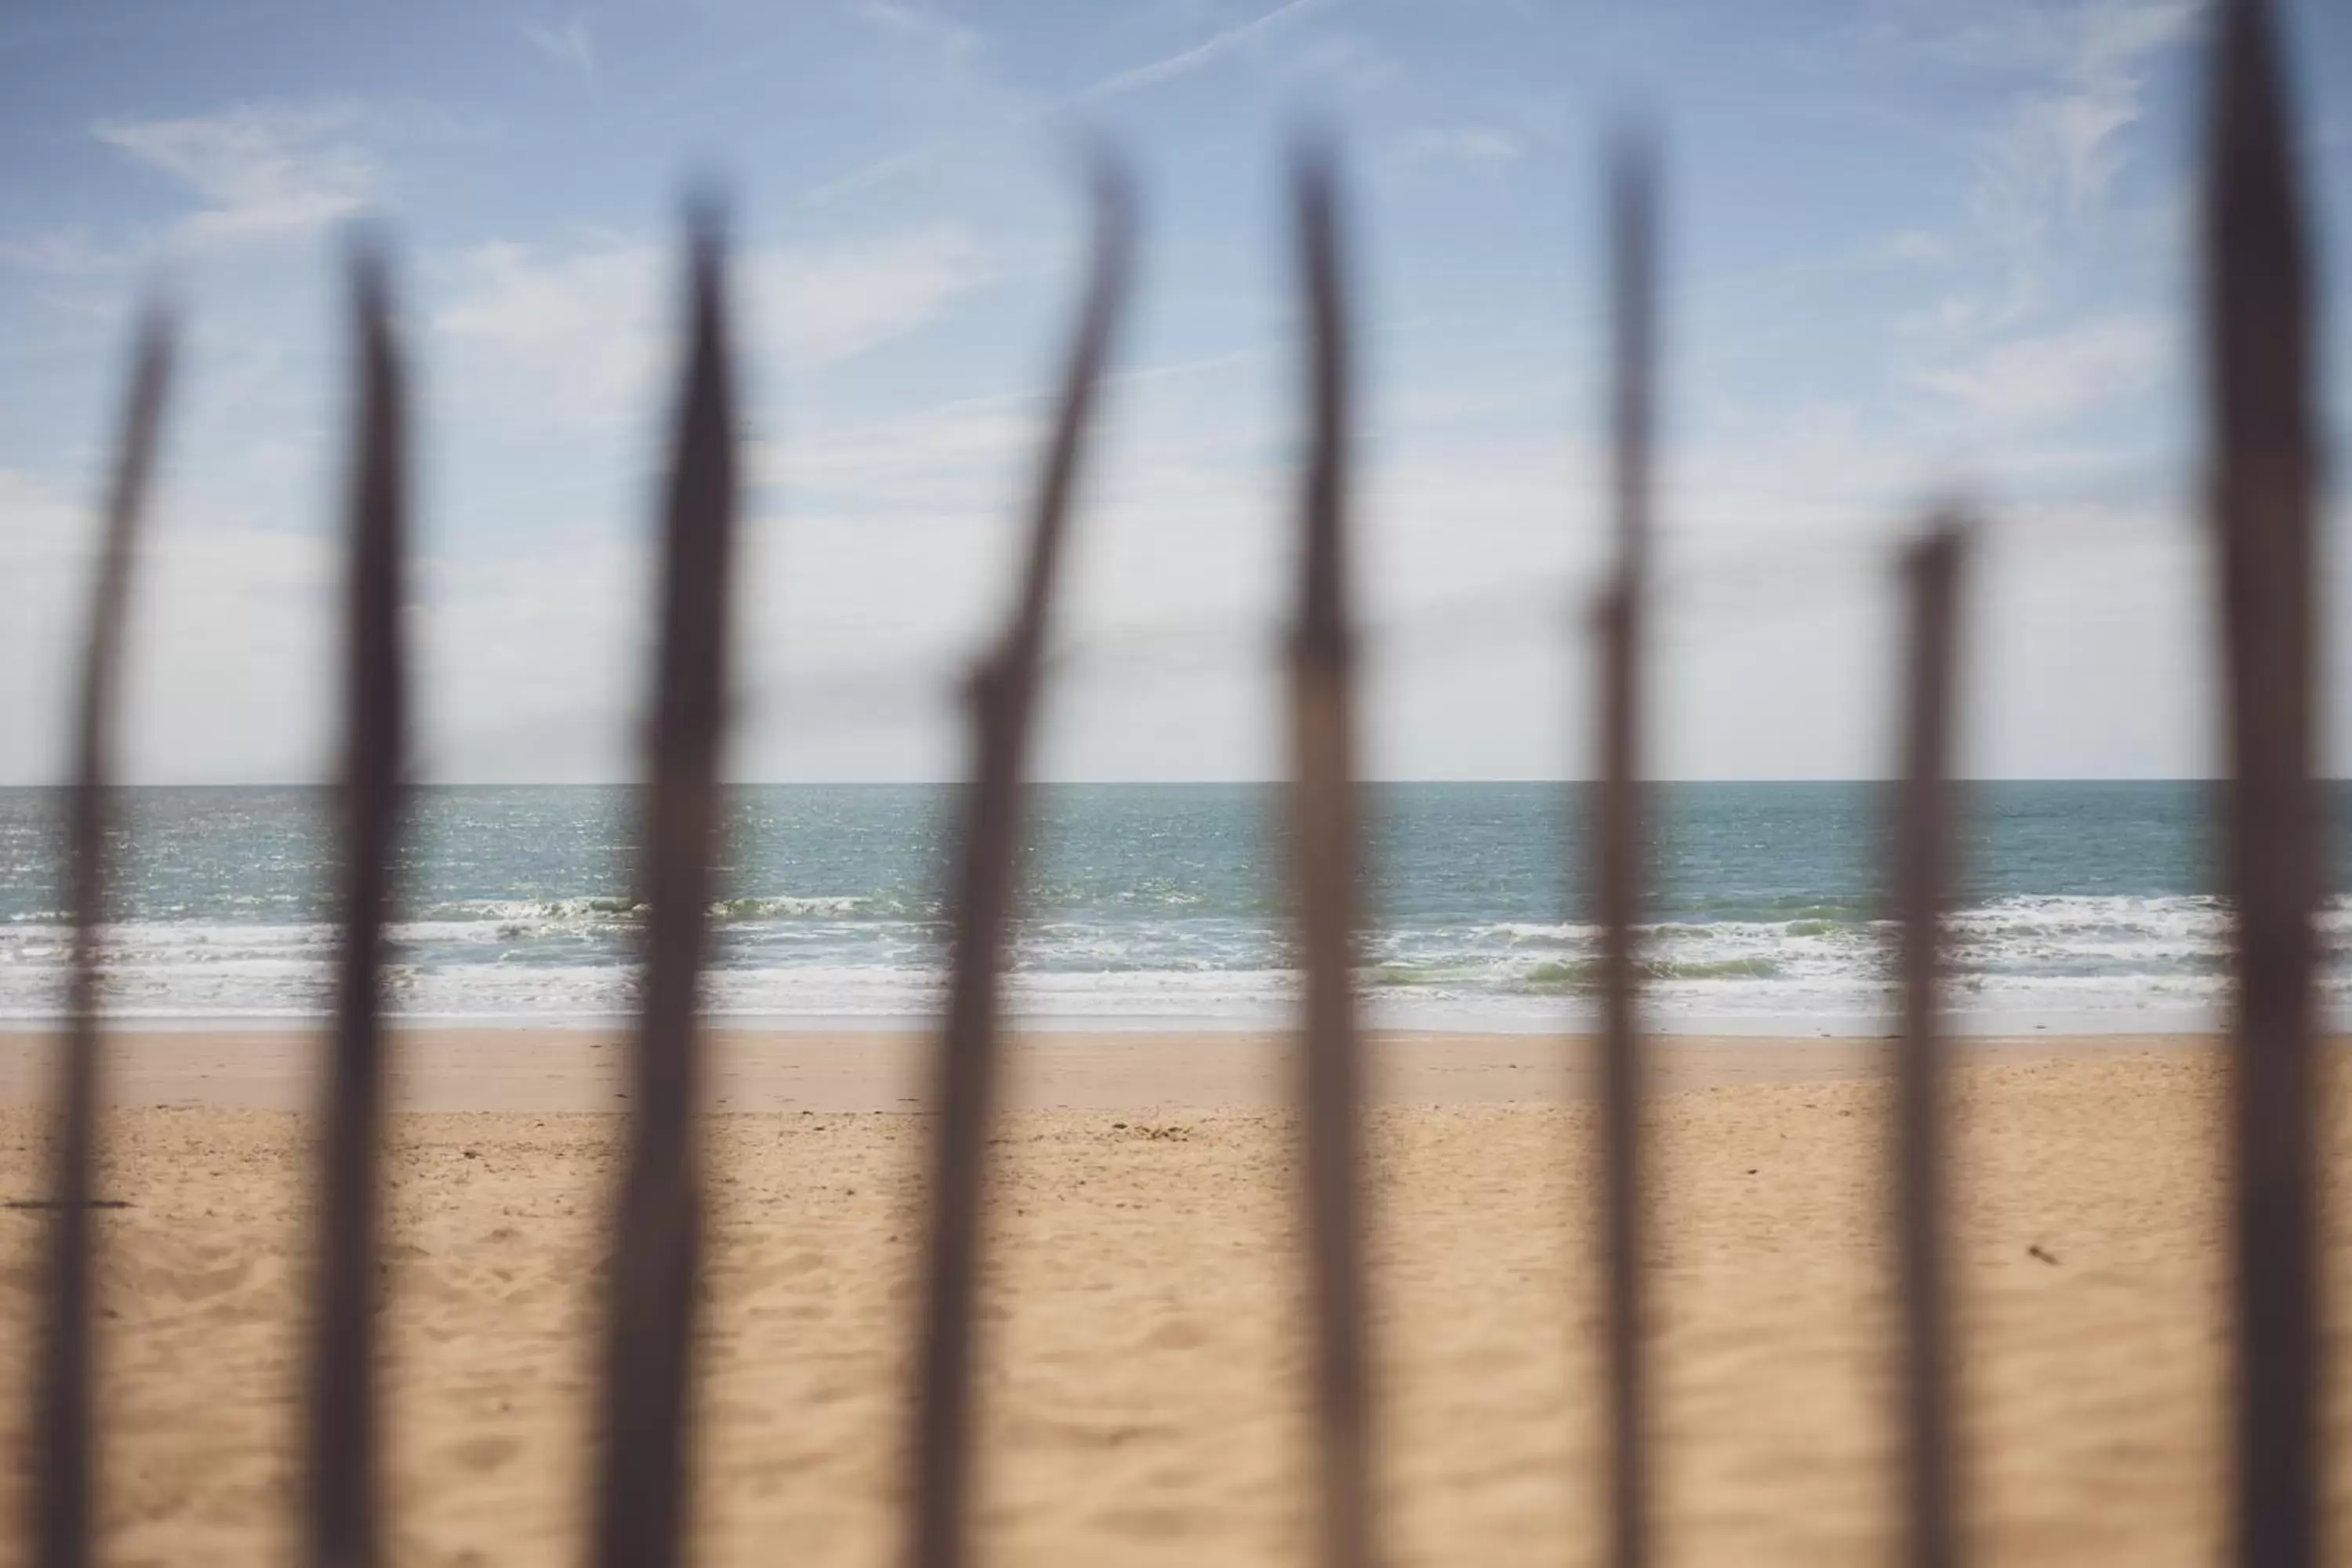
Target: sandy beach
1143, 1393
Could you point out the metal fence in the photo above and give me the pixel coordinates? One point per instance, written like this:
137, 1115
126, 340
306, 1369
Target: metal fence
2259, 426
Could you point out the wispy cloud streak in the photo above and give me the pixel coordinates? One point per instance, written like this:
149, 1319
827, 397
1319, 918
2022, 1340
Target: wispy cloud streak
1119, 84
1186, 61
570, 46
257, 170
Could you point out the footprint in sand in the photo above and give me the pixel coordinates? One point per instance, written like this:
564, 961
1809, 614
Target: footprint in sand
482, 1454
1176, 1334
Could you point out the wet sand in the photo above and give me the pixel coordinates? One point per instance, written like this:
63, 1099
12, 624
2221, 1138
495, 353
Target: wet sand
562, 1069
1144, 1331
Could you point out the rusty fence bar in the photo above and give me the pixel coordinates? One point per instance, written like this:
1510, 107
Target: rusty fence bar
344, 1531
1923, 840
1620, 849
1323, 874
63, 1474
2259, 411
644, 1464
1001, 705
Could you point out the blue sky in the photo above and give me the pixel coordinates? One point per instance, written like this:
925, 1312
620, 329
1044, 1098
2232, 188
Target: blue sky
1910, 247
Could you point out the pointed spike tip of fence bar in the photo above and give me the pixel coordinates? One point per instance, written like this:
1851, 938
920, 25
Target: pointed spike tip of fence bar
1110, 182
1950, 530
708, 392
1111, 195
704, 215
1631, 156
364, 259
1321, 632
2256, 273
1631, 171
1110, 190
158, 334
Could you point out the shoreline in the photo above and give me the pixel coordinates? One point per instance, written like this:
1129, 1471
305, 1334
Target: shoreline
531, 1069
1379, 1014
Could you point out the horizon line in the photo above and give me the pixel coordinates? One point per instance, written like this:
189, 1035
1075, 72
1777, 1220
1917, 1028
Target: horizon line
1150, 783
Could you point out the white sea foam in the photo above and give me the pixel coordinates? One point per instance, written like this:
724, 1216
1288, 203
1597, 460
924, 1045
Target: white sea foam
2079, 961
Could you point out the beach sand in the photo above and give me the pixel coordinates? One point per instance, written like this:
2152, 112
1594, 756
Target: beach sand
1144, 1340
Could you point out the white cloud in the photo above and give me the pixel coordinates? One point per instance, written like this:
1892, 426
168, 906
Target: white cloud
2048, 165
580, 336
2059, 151
950, 458
570, 46
1464, 144
918, 23
2056, 376
567, 337
1915, 245
45, 555
831, 302
534, 663
1969, 316
62, 253
42, 526
229, 644
257, 171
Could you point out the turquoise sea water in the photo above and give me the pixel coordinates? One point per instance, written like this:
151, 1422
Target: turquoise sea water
2087, 905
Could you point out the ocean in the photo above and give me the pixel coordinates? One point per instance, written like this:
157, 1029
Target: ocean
2087, 906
